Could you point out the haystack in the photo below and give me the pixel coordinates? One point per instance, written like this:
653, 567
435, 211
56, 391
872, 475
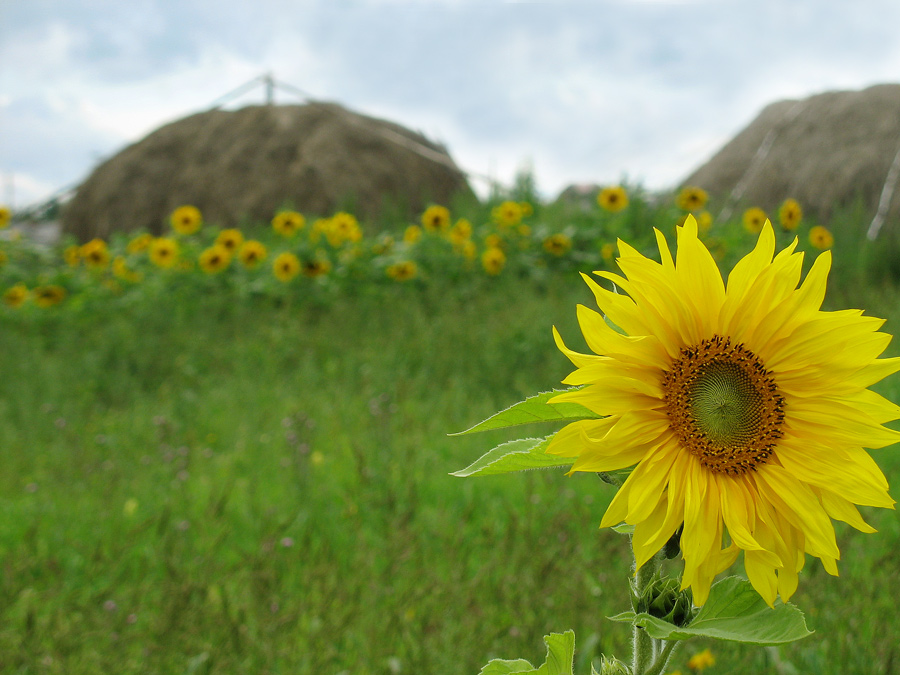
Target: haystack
242, 166
826, 151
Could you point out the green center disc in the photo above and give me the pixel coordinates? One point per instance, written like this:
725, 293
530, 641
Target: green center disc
726, 405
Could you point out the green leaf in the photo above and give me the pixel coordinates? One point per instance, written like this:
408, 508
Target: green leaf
560, 659
533, 409
734, 612
521, 455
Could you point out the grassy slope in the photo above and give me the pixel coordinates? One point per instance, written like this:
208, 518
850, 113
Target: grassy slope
205, 487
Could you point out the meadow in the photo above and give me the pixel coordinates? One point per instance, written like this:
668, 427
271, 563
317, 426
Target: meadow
214, 474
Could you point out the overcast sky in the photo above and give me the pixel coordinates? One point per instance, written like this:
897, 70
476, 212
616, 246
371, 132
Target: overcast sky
582, 91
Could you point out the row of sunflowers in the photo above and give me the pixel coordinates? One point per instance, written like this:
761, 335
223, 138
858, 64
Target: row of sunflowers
326, 253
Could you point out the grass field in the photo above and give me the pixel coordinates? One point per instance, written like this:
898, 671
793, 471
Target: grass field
213, 484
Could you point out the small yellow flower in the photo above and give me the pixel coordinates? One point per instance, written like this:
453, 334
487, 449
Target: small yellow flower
230, 240
343, 228
214, 259
608, 251
319, 227
493, 259
403, 271
5, 217
16, 295
702, 660
316, 267
790, 214
140, 243
49, 295
436, 218
123, 272
286, 266
95, 254
251, 253
186, 219
72, 255
704, 222
507, 214
288, 223
557, 244
493, 241
412, 234
691, 198
613, 199
754, 219
461, 231
164, 252
468, 250
820, 237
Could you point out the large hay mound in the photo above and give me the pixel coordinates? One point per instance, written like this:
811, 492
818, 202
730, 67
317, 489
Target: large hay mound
240, 166
826, 152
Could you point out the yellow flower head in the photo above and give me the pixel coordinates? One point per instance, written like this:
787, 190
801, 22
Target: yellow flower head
704, 221
412, 234
507, 214
691, 198
743, 408
186, 219
251, 253
164, 252
754, 219
95, 254
316, 267
608, 251
16, 295
790, 214
436, 218
319, 227
613, 199
72, 255
557, 244
49, 295
286, 266
140, 243
493, 241
214, 259
343, 228
461, 231
288, 223
403, 271
5, 217
702, 660
820, 237
230, 240
493, 259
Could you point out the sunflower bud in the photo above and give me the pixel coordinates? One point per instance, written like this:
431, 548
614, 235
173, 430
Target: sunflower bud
663, 599
613, 666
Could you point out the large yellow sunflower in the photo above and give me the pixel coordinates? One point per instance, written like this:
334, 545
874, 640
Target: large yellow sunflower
743, 407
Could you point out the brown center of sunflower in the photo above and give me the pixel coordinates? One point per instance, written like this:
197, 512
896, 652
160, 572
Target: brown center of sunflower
723, 405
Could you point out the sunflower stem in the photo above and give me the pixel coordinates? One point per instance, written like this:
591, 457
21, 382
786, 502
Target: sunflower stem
643, 661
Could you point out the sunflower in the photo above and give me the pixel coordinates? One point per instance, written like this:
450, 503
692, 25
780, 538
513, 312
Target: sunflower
493, 259
704, 221
691, 198
288, 223
557, 244
230, 239
403, 271
412, 234
613, 199
507, 214
214, 259
186, 219
140, 243
343, 227
15, 295
744, 407
122, 271
436, 218
461, 232
820, 237
164, 252
72, 255
251, 253
48, 296
790, 214
316, 267
95, 254
286, 266
754, 219
5, 217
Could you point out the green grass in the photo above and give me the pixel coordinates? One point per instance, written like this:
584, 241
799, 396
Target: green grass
211, 485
